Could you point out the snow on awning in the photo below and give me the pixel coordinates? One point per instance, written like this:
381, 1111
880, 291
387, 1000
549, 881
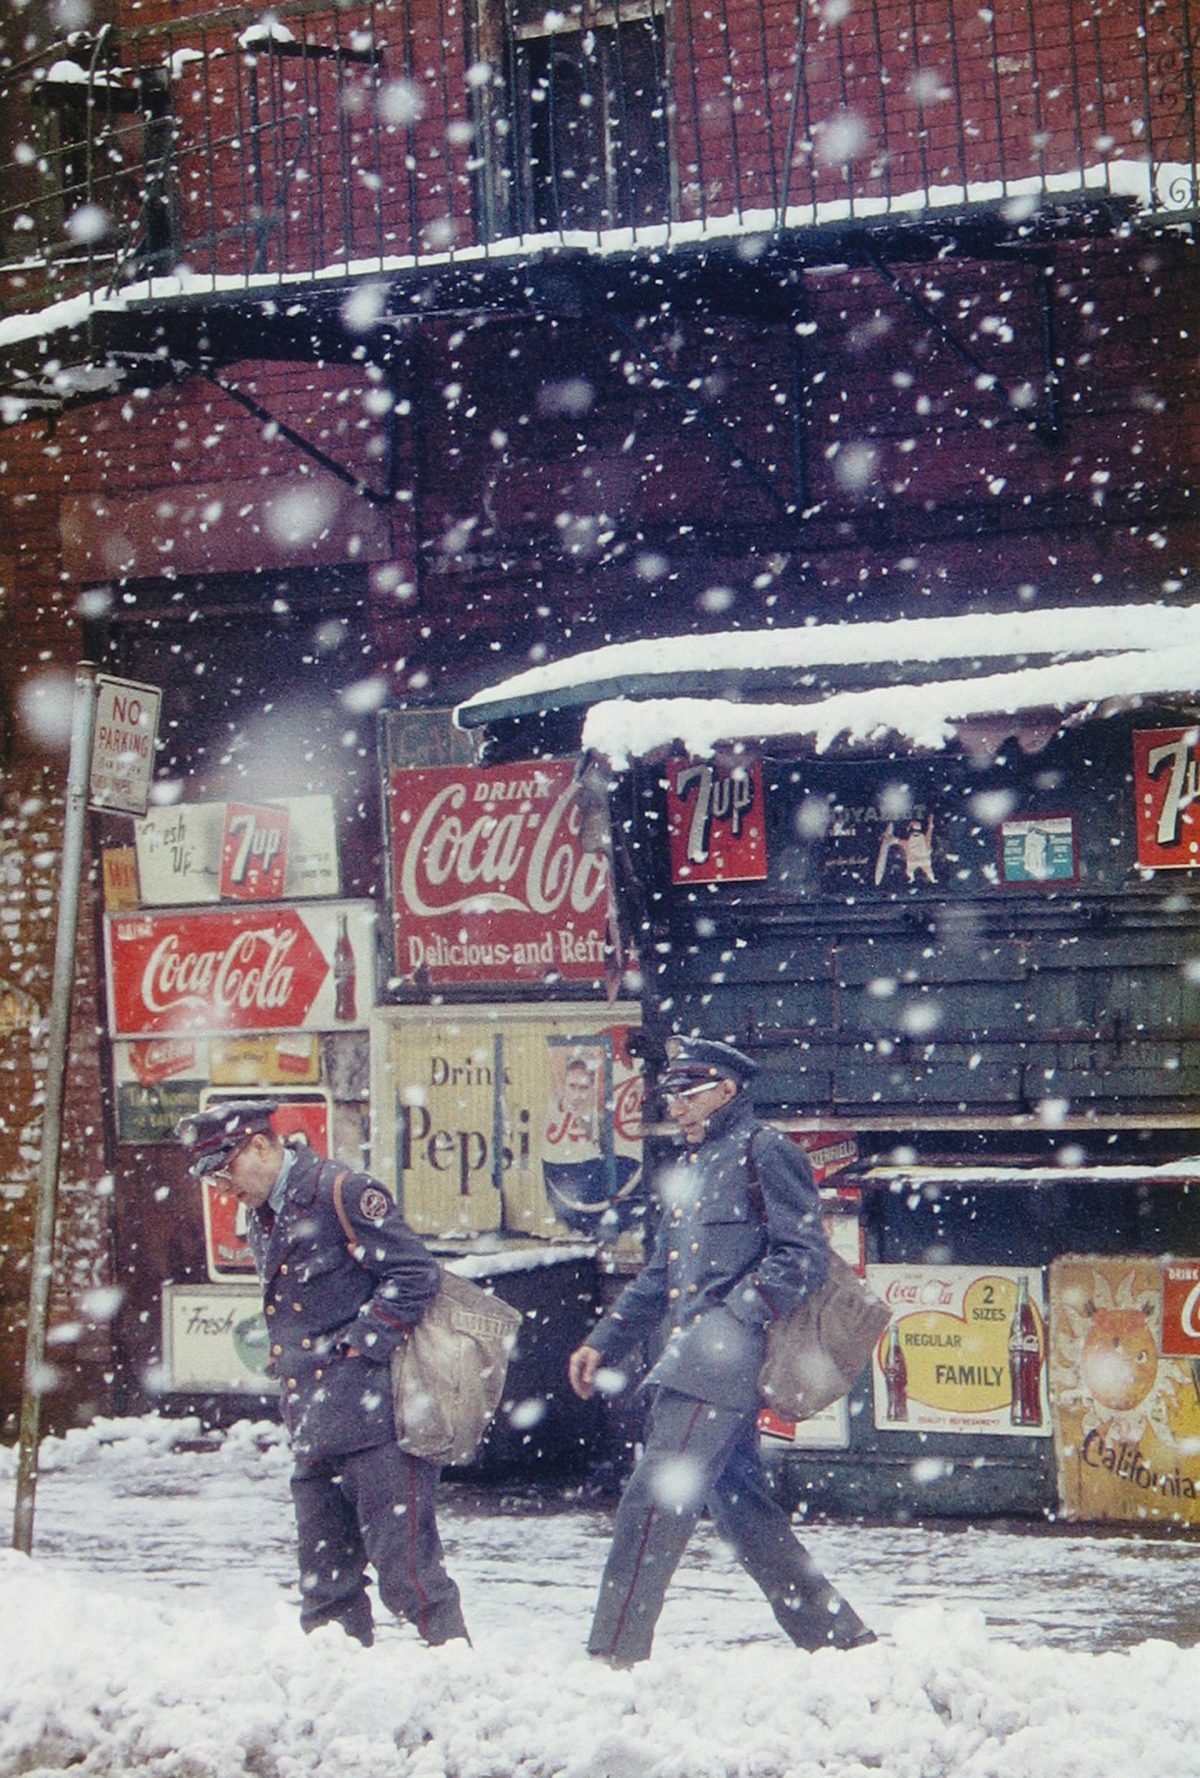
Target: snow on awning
918, 681
932, 1179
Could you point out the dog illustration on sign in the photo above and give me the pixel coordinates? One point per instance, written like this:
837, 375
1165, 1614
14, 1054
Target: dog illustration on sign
915, 847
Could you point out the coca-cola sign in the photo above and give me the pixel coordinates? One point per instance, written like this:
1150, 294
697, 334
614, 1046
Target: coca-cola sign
233, 969
490, 881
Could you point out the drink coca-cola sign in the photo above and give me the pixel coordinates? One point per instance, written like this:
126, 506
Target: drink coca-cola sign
490, 879
218, 970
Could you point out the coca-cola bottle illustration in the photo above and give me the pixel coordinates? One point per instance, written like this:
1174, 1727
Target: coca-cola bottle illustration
895, 1375
345, 1004
1025, 1360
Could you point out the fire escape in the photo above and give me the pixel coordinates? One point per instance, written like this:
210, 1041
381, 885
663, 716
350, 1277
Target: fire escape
179, 196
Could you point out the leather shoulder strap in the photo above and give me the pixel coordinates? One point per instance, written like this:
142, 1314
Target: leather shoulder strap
753, 1189
353, 1245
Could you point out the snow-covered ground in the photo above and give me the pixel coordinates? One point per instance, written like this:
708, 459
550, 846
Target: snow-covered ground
154, 1631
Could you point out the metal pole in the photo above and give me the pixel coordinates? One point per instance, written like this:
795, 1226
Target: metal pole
42, 1266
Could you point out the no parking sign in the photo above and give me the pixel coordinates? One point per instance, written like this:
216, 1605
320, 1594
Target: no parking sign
124, 735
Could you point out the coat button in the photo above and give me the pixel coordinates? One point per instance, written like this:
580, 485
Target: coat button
672, 1293
306, 1343
270, 1308
283, 1269
297, 1307
695, 1247
318, 1373
674, 1253
275, 1351
291, 1383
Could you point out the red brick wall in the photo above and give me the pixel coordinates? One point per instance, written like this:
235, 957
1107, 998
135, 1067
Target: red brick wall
40, 647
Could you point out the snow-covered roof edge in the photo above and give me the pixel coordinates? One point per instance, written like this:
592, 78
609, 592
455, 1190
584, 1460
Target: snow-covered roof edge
1053, 660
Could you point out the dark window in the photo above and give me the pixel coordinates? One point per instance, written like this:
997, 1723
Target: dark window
576, 118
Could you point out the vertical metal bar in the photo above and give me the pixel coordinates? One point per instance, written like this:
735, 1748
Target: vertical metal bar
89, 148
845, 93
519, 174
1189, 100
376, 136
1092, 22
697, 132
257, 183
277, 215
556, 219
209, 162
410, 157
245, 218
498, 1123
768, 107
614, 162
731, 89
883, 102
793, 113
998, 102
345, 153
1147, 107
310, 99
922, 128
42, 1260
960, 122
448, 148
1076, 90
665, 89
1035, 84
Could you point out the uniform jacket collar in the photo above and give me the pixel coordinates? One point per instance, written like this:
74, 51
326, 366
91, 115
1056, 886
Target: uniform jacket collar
725, 1120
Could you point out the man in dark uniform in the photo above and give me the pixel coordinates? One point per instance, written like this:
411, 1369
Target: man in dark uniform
335, 1314
740, 1243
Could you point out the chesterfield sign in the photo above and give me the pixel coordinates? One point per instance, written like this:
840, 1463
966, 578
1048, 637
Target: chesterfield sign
490, 881
235, 970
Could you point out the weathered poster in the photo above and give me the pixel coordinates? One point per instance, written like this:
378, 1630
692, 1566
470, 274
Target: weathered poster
225, 970
521, 1118
1038, 849
490, 879
716, 821
1125, 1387
881, 838
204, 852
965, 1353
157, 1081
290, 1060
119, 879
215, 1339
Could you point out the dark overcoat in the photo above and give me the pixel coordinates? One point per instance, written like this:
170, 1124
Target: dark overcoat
740, 1243
322, 1303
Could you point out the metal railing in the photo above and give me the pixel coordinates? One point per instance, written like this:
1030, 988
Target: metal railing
322, 138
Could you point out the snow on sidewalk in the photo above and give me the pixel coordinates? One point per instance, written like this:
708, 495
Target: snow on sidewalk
154, 1632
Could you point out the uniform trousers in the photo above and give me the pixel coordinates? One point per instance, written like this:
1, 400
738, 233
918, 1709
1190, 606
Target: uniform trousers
375, 1506
698, 1455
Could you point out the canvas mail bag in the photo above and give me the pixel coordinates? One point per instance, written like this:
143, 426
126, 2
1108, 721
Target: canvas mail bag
448, 1376
816, 1354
